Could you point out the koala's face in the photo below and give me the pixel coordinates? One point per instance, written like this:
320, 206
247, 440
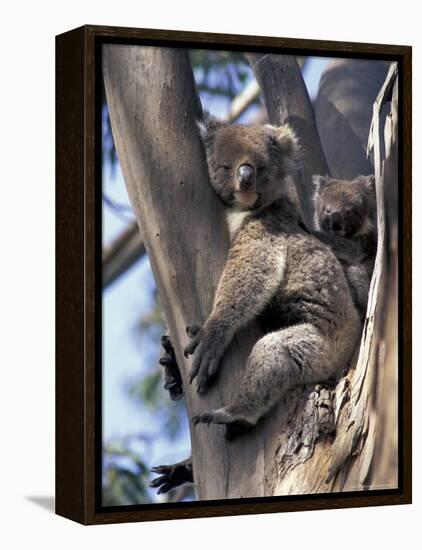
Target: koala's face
344, 208
248, 165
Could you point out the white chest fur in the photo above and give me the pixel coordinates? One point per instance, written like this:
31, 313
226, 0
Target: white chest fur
235, 219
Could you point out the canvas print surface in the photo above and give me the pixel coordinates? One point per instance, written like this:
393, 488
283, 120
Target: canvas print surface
250, 245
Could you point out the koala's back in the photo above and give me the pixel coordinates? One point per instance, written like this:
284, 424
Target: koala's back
314, 289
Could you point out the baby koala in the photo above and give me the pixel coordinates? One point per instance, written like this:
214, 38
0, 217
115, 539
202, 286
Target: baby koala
345, 220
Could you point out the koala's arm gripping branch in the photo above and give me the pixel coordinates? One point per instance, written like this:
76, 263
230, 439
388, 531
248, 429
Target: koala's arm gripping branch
252, 274
250, 278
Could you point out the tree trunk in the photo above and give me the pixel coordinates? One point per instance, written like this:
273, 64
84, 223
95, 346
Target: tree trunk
153, 107
343, 113
362, 409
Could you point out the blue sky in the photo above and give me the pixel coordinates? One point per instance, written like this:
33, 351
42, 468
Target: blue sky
124, 356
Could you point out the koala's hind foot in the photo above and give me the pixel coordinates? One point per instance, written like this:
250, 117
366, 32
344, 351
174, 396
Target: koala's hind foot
171, 373
235, 424
172, 475
300, 354
359, 279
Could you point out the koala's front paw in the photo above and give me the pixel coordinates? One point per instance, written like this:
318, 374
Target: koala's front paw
235, 425
194, 332
172, 476
203, 418
172, 378
207, 346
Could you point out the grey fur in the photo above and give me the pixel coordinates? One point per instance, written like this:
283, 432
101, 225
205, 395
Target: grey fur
354, 238
276, 271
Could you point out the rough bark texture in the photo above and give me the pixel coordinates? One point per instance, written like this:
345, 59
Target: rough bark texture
362, 409
153, 107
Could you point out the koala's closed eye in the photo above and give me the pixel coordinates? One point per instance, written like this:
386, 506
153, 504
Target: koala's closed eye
225, 166
260, 169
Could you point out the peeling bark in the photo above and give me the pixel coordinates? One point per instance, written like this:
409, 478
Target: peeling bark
358, 449
371, 412
363, 453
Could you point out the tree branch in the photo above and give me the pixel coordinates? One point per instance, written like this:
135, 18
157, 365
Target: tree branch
343, 113
122, 253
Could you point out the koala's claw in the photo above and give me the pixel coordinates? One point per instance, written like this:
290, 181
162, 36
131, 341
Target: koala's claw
203, 418
166, 342
192, 330
192, 375
171, 476
166, 360
206, 373
162, 483
172, 378
194, 333
207, 357
191, 347
235, 429
235, 426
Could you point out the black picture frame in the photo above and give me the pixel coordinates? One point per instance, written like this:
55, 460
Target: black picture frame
78, 275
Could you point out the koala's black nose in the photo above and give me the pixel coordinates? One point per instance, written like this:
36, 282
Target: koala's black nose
246, 177
335, 221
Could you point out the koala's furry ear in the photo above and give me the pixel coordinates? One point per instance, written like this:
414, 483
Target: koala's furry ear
320, 182
207, 126
287, 142
367, 183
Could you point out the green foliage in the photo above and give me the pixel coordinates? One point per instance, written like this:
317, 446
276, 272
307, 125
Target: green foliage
220, 73
125, 476
150, 393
